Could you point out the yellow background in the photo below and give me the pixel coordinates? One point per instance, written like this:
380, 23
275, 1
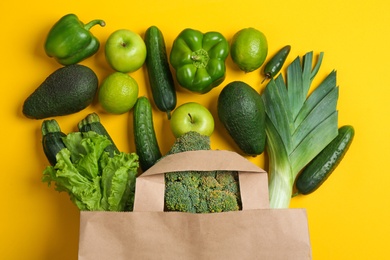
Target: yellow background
348, 216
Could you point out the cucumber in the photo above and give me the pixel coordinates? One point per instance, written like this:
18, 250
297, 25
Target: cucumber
92, 123
52, 140
275, 64
144, 135
321, 167
67, 90
241, 111
160, 76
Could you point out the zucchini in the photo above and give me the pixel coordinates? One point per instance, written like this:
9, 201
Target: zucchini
144, 135
321, 167
275, 64
92, 123
160, 76
52, 139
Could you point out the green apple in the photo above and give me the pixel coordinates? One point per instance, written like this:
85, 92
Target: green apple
191, 116
125, 51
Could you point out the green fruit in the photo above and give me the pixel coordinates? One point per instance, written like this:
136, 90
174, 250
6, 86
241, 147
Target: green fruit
118, 93
249, 49
66, 91
241, 111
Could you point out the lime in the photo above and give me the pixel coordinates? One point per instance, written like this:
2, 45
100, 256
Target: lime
249, 49
118, 93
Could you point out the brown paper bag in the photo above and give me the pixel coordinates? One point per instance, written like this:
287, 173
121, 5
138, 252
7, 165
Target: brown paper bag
255, 232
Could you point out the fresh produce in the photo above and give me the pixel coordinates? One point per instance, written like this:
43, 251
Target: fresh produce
249, 49
145, 140
159, 74
298, 126
192, 116
69, 41
92, 123
199, 59
275, 64
241, 111
296, 123
94, 180
125, 51
52, 139
322, 166
190, 141
67, 90
118, 93
200, 192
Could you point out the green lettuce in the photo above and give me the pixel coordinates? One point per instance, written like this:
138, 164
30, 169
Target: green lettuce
94, 180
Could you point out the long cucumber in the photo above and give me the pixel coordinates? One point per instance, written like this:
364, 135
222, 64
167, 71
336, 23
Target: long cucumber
159, 73
322, 166
145, 139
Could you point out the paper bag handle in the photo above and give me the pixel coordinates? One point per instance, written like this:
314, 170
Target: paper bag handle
253, 181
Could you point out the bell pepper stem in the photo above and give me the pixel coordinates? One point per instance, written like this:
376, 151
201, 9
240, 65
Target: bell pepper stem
200, 58
92, 23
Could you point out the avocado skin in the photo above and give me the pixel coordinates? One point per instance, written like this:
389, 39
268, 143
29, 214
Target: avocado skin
67, 90
241, 111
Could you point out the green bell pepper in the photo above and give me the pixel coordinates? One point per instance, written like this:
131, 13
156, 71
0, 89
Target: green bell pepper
69, 41
199, 59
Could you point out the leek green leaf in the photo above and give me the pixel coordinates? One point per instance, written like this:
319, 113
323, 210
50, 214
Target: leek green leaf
298, 125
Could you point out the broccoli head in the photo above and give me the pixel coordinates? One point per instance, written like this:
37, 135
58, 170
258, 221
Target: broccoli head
199, 191
190, 141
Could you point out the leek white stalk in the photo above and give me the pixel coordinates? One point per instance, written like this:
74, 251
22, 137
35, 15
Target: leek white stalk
298, 125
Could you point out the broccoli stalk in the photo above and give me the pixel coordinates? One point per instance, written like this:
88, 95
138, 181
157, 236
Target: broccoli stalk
196, 191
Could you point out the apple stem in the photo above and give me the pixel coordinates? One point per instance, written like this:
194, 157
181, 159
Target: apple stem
190, 118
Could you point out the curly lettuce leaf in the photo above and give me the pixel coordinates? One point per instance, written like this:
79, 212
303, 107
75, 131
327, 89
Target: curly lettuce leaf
94, 180
118, 181
83, 191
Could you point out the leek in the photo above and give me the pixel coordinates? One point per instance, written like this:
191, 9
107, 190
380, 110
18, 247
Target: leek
298, 125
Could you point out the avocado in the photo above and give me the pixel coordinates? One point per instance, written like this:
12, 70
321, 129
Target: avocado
241, 111
67, 90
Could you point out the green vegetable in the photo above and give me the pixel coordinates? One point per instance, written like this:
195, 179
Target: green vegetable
200, 192
241, 111
160, 76
144, 135
52, 139
199, 59
93, 179
69, 41
92, 123
298, 126
322, 166
66, 91
190, 141
275, 64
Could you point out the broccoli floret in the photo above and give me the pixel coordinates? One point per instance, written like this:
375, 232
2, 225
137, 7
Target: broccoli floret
190, 141
220, 190
197, 191
221, 201
181, 197
229, 181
